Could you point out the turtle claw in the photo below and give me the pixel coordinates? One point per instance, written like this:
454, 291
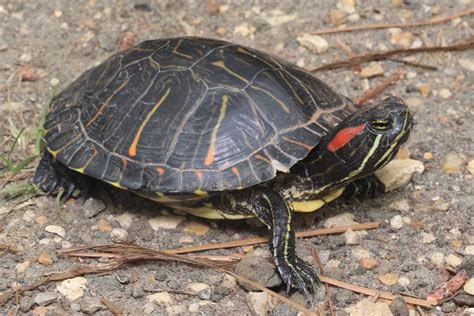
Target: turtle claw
50, 180
299, 274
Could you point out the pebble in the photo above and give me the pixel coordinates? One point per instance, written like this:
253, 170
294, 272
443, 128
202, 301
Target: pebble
161, 298
403, 39
470, 167
45, 259
464, 300
340, 220
469, 286
445, 93
396, 222
359, 253
374, 69
414, 103
229, 282
165, 222
403, 281
141, 229
197, 287
45, 298
402, 206
125, 219
337, 17
21, 267
186, 240
314, 43
92, 207
26, 303
448, 307
58, 230
452, 163
366, 307
427, 238
258, 303
28, 216
389, 278
438, 259
399, 307
425, 89
440, 205
244, 29
469, 250
352, 238
197, 228
453, 261
466, 64
411, 88
259, 270
104, 225
221, 31
91, 305
118, 235
397, 173
347, 6
368, 263
278, 17
72, 288
41, 220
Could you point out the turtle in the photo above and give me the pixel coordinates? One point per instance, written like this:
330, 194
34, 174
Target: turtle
221, 131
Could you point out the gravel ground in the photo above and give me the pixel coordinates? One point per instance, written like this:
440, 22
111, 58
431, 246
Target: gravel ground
427, 227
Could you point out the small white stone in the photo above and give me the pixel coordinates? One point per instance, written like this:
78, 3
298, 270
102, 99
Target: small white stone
407, 220
314, 43
258, 303
148, 308
397, 173
411, 74
396, 222
455, 231
197, 287
352, 238
403, 281
469, 286
118, 235
165, 222
426, 238
453, 261
359, 253
333, 263
244, 29
29, 216
193, 308
366, 307
340, 220
58, 230
125, 219
467, 64
445, 93
470, 250
437, 258
54, 82
161, 298
72, 288
21, 267
400, 205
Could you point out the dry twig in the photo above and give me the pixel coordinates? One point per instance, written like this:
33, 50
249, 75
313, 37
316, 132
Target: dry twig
360, 59
448, 288
367, 95
316, 258
435, 20
114, 309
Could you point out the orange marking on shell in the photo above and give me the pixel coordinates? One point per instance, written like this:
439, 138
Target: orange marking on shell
235, 170
199, 174
344, 136
263, 158
160, 170
210, 155
309, 147
106, 103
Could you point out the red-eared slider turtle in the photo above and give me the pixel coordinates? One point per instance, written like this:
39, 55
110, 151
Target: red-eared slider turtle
221, 131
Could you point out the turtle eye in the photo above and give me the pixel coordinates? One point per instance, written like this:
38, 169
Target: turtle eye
380, 125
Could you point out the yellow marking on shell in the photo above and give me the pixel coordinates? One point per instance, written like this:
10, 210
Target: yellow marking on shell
236, 171
132, 151
81, 169
106, 103
309, 147
283, 105
115, 184
292, 89
175, 51
222, 65
201, 193
55, 152
260, 157
243, 51
211, 152
209, 212
313, 205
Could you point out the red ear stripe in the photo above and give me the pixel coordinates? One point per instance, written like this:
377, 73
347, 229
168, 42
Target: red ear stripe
344, 136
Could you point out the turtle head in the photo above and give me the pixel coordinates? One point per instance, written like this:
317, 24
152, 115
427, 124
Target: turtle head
371, 137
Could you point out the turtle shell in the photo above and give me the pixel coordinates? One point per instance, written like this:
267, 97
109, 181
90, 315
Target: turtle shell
187, 114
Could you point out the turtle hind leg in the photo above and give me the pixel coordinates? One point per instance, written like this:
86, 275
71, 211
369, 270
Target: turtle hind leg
51, 176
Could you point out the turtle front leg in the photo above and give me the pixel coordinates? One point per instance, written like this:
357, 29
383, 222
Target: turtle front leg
369, 186
50, 175
274, 212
